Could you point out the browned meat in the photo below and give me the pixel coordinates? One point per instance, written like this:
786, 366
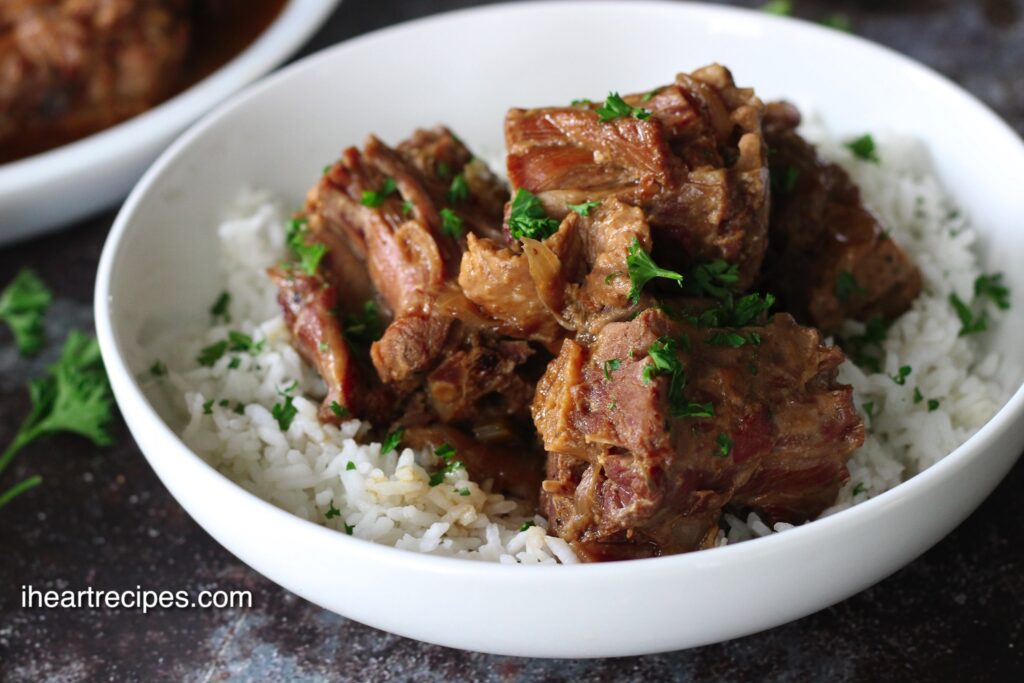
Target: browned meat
696, 165
514, 470
574, 281
829, 258
634, 471
309, 306
71, 67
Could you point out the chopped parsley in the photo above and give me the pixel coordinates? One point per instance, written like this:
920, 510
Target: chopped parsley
648, 96
392, 441
918, 396
615, 107
580, 103
526, 525
285, 412
158, 369
464, 492
992, 287
611, 366
23, 304
445, 451
309, 255
224, 403
237, 341
869, 410
240, 408
364, 328
209, 355
451, 224
731, 339
642, 269
208, 407
450, 467
864, 148
442, 170
458, 191
235, 362
332, 511
338, 409
695, 410
527, 217
665, 361
739, 313
783, 181
350, 465
724, 445
73, 396
859, 488
715, 279
901, 375
349, 528
933, 405
407, 207
584, 208
865, 349
969, 323
374, 198
219, 310
778, 7
846, 285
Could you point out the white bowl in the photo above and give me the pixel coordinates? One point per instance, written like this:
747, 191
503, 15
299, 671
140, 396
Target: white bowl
160, 266
41, 192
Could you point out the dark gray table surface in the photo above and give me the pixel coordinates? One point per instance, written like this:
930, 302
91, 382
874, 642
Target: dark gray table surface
102, 518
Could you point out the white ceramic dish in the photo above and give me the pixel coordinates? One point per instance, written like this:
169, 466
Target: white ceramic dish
159, 267
41, 192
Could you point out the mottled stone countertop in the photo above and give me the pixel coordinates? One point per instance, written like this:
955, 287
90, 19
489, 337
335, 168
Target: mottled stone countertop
102, 518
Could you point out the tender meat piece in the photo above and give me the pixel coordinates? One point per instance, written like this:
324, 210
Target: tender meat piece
72, 67
697, 166
631, 474
309, 306
829, 258
516, 471
574, 281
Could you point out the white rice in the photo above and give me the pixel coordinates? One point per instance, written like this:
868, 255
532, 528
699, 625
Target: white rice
313, 470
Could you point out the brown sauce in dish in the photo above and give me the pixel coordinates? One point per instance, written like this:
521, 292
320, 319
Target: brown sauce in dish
218, 30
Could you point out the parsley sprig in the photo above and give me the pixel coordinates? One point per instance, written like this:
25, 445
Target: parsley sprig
23, 304
642, 269
527, 217
615, 107
365, 327
447, 454
73, 396
864, 148
309, 255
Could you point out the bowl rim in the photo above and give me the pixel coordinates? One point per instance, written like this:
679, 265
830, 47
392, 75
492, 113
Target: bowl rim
290, 29
128, 390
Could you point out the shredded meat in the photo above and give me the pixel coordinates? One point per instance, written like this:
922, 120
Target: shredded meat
697, 166
629, 476
829, 257
71, 67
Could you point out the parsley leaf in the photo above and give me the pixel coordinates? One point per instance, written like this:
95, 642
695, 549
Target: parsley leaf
716, 279
338, 409
332, 511
859, 488
209, 355
350, 465
838, 21
526, 525
451, 224
933, 405
724, 445
527, 217
695, 410
580, 103
309, 255
865, 349
615, 107
208, 407
584, 208
864, 148
731, 339
219, 310
611, 366
901, 376
445, 451
158, 369
778, 7
374, 198
918, 396
992, 287
392, 441
285, 412
846, 285
459, 190
365, 328
22, 305
642, 269
407, 207
969, 324
74, 396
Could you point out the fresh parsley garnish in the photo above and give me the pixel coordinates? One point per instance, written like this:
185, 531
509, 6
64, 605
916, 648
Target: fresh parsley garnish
901, 375
846, 285
642, 269
284, 412
309, 255
365, 327
219, 310
458, 191
350, 465
374, 198
23, 304
73, 396
779, 7
869, 410
611, 366
933, 404
445, 451
728, 338
648, 96
918, 396
526, 525
392, 441
716, 279
580, 103
584, 208
969, 323
209, 355
865, 349
838, 21
859, 488
992, 287
864, 148
451, 224
724, 446
527, 217
615, 107
332, 511
442, 170
338, 409
158, 369
208, 407
407, 207
238, 341
695, 410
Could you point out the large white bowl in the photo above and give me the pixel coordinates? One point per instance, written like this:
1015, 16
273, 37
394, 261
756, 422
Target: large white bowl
43, 191
160, 266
